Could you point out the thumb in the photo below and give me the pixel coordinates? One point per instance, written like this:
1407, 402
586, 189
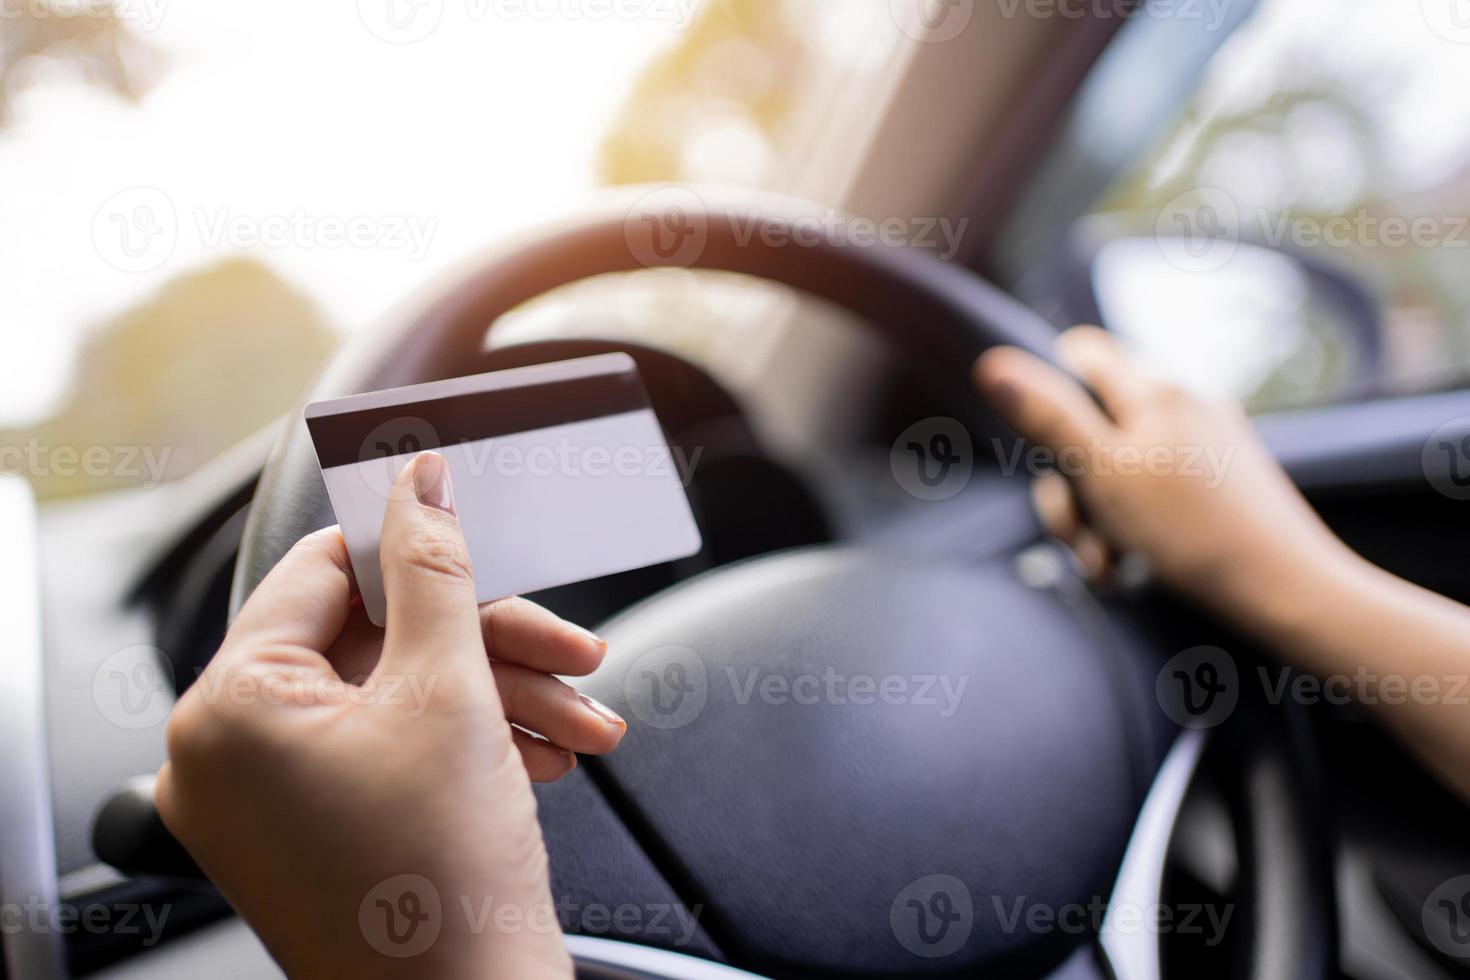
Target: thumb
1039, 401
433, 621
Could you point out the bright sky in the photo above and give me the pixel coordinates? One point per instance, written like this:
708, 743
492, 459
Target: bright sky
1405, 65
1409, 62
300, 120
278, 117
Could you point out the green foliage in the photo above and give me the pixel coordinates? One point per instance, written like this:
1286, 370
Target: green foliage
213, 357
736, 58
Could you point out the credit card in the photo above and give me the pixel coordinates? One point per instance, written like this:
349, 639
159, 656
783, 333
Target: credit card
561, 472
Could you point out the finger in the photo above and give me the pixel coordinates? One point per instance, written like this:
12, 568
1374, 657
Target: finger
303, 601
546, 706
1096, 357
358, 648
1039, 401
1094, 557
433, 620
519, 631
163, 795
1056, 505
515, 630
544, 762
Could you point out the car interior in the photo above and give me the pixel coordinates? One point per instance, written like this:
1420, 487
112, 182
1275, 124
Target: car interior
1041, 164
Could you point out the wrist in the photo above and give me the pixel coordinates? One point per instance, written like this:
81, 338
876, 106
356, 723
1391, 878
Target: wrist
1283, 594
489, 956
548, 959
501, 936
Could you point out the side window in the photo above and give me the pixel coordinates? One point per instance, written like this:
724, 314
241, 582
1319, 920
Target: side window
1297, 228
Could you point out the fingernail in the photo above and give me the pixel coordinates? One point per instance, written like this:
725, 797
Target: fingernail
570, 758
598, 641
603, 711
431, 482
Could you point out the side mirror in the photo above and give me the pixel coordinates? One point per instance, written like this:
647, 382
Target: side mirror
1266, 326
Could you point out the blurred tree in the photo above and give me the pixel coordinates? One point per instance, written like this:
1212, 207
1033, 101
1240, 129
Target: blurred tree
1293, 125
213, 357
89, 39
736, 64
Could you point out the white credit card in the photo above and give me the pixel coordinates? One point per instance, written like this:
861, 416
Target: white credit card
560, 472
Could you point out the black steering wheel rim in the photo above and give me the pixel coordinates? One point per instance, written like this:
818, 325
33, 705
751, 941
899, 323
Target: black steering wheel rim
947, 316
941, 313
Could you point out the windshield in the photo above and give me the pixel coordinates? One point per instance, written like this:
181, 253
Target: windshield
206, 197
1333, 131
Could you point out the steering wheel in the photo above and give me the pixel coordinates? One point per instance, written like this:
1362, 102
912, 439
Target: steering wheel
856, 759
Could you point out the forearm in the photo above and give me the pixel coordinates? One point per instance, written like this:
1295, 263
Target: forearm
1401, 650
1220, 522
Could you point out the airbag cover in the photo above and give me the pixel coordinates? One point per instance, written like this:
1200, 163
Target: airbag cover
823, 742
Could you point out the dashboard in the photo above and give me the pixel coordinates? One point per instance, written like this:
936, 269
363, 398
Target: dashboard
132, 595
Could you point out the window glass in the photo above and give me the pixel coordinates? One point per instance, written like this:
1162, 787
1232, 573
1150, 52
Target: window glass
204, 198
1335, 132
